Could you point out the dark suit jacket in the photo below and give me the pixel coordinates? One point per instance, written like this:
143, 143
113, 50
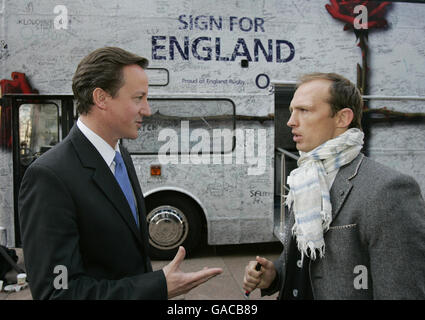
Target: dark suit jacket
375, 246
74, 214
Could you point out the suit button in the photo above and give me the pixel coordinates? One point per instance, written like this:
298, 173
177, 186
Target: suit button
341, 193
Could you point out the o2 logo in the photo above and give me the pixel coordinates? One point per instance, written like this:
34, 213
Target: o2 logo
262, 81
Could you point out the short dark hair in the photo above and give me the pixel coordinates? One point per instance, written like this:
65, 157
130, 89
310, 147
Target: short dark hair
342, 94
102, 68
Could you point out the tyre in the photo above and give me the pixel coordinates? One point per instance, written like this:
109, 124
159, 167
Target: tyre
172, 221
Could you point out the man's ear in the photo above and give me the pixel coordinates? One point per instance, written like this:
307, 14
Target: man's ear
100, 97
344, 117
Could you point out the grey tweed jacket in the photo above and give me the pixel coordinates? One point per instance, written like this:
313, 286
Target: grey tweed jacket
375, 246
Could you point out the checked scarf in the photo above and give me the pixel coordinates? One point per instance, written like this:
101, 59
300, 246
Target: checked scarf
309, 189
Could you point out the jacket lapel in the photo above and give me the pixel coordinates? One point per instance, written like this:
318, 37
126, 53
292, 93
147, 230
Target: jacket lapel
103, 177
342, 184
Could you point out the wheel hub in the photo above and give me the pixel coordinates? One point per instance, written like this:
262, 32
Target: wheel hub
168, 227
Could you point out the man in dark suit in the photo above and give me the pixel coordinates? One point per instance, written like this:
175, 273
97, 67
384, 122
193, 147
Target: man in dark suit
81, 208
355, 228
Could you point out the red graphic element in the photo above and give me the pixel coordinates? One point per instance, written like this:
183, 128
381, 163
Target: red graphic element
18, 84
344, 10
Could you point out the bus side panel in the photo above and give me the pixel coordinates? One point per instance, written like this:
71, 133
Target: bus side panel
238, 201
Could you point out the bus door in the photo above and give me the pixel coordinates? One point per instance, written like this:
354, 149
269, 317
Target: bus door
286, 154
38, 123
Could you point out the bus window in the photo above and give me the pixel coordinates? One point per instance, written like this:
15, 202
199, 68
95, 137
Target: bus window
38, 130
191, 121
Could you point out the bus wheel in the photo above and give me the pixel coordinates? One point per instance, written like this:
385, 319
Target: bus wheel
172, 222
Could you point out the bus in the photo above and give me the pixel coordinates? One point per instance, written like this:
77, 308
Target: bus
213, 158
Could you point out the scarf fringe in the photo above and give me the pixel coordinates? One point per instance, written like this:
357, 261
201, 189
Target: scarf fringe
307, 248
326, 220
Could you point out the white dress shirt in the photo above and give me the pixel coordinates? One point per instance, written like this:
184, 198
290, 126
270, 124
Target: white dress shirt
105, 150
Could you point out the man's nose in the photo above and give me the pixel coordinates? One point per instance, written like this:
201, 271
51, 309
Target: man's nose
146, 110
292, 121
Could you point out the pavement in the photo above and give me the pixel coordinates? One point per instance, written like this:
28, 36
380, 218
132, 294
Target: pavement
226, 286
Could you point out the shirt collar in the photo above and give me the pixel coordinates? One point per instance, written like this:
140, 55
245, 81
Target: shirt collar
105, 150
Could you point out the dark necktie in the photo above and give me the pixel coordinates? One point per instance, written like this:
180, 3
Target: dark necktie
124, 182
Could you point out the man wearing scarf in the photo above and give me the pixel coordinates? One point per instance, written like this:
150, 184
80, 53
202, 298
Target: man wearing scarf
354, 229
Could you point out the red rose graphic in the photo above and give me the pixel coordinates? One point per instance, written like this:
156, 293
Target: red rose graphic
348, 12
344, 10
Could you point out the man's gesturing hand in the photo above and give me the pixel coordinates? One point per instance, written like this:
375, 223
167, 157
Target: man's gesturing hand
179, 282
